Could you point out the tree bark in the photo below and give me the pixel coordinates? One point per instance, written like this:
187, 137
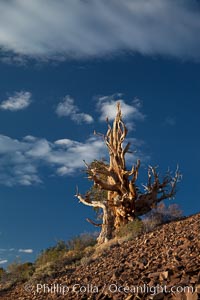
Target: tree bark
122, 203
107, 225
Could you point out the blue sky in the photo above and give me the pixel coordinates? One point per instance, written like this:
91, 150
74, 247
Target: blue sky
63, 66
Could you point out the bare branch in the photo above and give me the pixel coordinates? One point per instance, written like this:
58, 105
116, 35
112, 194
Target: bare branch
87, 201
93, 223
115, 191
136, 170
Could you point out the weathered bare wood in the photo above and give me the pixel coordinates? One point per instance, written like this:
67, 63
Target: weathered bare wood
122, 203
93, 223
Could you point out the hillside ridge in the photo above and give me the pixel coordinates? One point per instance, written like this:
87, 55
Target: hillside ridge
162, 264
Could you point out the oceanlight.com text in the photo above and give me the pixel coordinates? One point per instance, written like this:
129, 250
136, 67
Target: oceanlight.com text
113, 288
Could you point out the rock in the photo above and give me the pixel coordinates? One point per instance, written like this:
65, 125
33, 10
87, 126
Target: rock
154, 275
159, 296
163, 275
168, 256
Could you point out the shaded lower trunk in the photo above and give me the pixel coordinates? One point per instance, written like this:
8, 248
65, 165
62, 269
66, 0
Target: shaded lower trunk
113, 218
107, 229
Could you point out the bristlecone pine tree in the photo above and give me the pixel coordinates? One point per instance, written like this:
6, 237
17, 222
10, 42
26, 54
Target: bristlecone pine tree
116, 186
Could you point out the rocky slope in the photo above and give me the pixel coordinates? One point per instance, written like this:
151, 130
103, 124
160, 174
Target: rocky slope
163, 264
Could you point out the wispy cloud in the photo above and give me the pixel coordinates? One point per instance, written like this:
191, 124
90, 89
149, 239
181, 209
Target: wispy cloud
67, 108
106, 106
10, 254
4, 261
18, 101
81, 29
20, 160
3, 249
28, 251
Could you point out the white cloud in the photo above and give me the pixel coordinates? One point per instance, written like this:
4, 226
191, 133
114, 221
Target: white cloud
4, 261
12, 253
26, 250
67, 108
70, 159
106, 106
18, 101
62, 157
29, 138
66, 143
20, 160
64, 171
8, 145
39, 149
91, 28
15, 165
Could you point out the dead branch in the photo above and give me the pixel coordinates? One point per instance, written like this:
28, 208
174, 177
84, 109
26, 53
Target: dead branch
93, 223
123, 201
87, 201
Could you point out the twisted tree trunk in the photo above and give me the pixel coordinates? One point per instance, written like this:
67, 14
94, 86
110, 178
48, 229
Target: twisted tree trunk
122, 203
